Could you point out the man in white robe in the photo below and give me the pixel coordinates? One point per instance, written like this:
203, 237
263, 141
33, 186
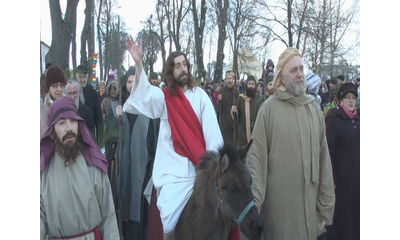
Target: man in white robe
75, 194
173, 174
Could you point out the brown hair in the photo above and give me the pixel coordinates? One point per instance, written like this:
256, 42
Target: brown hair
169, 77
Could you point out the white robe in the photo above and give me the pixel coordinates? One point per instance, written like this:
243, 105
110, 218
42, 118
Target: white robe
173, 174
76, 199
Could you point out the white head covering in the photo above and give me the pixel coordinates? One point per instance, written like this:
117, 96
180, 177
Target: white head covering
285, 56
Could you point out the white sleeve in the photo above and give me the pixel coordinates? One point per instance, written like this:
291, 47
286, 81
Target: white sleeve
145, 99
211, 131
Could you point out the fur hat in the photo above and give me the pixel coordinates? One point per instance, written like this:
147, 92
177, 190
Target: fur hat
345, 88
113, 83
55, 75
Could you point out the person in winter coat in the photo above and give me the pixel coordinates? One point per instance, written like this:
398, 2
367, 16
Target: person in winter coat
343, 136
55, 82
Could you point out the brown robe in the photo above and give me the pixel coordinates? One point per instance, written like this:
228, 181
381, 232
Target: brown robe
224, 106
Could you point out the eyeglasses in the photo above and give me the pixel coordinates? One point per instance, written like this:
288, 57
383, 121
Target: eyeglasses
350, 98
56, 85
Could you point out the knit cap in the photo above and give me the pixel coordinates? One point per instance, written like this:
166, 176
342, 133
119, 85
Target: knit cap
55, 75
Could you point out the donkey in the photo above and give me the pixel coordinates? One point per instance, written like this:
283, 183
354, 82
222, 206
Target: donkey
221, 199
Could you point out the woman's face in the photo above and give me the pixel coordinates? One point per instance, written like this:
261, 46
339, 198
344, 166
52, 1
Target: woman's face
349, 101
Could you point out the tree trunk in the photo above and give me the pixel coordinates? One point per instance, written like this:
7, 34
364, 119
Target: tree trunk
222, 21
198, 35
62, 30
100, 56
87, 38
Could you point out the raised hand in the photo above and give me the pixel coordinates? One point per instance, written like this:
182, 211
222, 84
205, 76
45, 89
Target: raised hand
134, 49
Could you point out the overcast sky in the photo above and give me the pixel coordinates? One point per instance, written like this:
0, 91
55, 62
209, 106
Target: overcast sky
134, 11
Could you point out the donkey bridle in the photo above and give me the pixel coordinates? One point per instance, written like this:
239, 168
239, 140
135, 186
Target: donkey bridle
238, 220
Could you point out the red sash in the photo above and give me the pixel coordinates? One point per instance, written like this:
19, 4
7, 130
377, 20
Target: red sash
187, 133
186, 130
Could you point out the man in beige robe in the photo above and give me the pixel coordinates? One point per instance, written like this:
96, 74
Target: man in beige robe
75, 194
289, 158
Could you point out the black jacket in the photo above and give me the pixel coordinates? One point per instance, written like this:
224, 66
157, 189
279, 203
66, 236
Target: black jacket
343, 137
87, 115
92, 101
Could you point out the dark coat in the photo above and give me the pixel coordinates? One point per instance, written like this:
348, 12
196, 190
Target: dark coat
241, 118
87, 115
92, 101
136, 157
343, 137
224, 106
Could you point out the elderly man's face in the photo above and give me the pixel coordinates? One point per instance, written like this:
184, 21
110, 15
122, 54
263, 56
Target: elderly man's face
82, 78
72, 91
293, 76
66, 130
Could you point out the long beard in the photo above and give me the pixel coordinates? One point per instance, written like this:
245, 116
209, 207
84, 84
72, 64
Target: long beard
250, 92
229, 84
297, 90
70, 150
182, 80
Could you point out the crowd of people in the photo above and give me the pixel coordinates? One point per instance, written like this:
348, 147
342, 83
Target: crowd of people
120, 162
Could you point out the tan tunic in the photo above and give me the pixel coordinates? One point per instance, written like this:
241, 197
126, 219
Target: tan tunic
76, 199
290, 165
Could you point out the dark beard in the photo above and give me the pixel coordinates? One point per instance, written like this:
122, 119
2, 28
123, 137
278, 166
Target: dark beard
251, 92
68, 151
182, 80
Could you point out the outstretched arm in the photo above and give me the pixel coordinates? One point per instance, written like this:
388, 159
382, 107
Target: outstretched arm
137, 54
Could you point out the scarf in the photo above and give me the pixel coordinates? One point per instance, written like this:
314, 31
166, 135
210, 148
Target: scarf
350, 114
247, 113
186, 130
65, 108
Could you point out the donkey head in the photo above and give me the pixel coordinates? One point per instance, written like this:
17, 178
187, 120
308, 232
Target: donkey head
233, 185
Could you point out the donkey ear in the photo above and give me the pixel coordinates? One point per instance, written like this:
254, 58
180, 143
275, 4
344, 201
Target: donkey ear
243, 151
224, 162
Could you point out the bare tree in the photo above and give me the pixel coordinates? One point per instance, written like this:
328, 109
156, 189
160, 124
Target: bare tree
112, 38
331, 24
243, 32
150, 44
163, 36
63, 32
199, 25
99, 43
222, 7
87, 37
